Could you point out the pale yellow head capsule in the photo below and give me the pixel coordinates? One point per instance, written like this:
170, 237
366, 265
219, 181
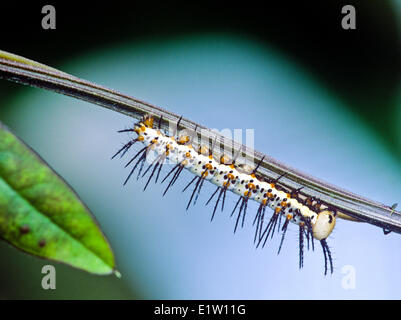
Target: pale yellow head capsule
324, 225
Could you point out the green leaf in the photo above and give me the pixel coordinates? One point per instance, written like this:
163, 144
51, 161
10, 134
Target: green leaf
41, 215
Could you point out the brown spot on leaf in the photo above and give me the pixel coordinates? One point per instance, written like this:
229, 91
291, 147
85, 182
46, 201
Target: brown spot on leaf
24, 229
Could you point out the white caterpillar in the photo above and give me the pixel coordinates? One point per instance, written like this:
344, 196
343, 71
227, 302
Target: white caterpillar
314, 221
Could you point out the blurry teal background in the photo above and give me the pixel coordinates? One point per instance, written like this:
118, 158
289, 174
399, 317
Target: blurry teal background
220, 79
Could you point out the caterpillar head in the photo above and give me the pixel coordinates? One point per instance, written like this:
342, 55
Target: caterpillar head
324, 225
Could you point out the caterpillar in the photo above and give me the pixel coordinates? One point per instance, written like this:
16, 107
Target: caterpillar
315, 220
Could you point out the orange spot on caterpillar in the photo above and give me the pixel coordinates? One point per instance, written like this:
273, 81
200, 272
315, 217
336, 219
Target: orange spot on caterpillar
203, 150
205, 174
183, 139
149, 122
224, 159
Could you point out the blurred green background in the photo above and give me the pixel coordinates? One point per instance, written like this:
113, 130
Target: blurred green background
288, 70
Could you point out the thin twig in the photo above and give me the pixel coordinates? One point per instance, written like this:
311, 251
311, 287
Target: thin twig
24, 71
